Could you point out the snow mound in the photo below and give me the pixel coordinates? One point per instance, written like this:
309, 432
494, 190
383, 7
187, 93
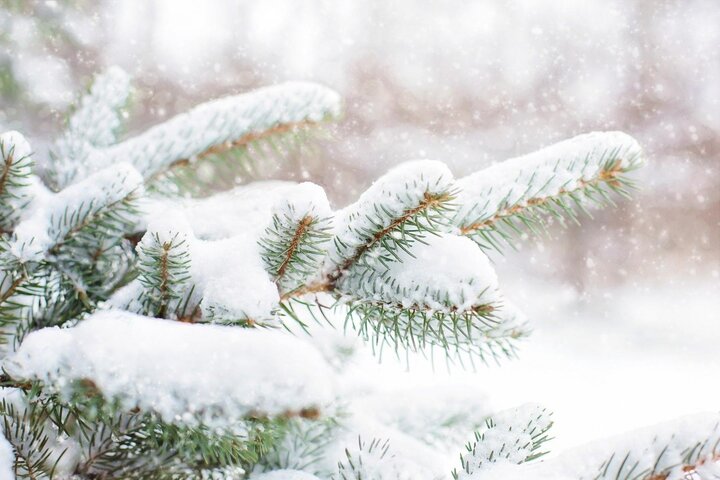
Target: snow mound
183, 372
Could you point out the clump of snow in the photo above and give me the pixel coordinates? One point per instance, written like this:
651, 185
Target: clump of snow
441, 416
221, 121
244, 209
304, 199
664, 449
227, 264
231, 278
284, 475
62, 212
402, 188
184, 372
444, 273
563, 166
227, 276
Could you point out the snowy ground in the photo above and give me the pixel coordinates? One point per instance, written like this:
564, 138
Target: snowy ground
604, 362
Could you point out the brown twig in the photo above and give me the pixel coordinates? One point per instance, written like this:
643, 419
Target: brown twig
294, 244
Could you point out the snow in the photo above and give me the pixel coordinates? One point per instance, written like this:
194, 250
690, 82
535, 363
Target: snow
220, 121
97, 118
440, 416
444, 273
95, 123
186, 373
49, 223
284, 475
301, 200
244, 209
508, 441
61, 212
225, 272
7, 459
402, 188
662, 448
16, 141
563, 166
222, 234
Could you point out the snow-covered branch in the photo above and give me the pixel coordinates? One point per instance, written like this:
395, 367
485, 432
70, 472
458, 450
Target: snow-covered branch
185, 373
686, 448
499, 201
221, 125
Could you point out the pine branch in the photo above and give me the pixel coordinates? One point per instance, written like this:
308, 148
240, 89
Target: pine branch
685, 448
94, 124
29, 427
81, 216
224, 166
515, 436
164, 271
411, 225
505, 199
215, 126
293, 246
365, 461
302, 446
15, 173
472, 335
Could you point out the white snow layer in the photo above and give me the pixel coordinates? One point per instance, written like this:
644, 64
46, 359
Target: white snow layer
508, 439
7, 459
220, 121
402, 188
446, 273
304, 199
640, 454
222, 235
63, 211
563, 166
244, 209
184, 372
231, 278
284, 475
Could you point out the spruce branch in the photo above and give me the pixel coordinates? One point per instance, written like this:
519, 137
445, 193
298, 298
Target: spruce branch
30, 427
95, 123
80, 216
302, 446
688, 447
15, 178
365, 460
223, 166
222, 124
401, 208
516, 436
293, 245
164, 271
503, 200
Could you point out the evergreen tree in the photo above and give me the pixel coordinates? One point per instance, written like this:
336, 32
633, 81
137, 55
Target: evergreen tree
160, 322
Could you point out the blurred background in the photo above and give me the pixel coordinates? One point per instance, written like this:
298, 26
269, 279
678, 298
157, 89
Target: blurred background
626, 306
